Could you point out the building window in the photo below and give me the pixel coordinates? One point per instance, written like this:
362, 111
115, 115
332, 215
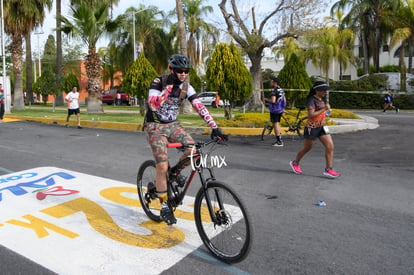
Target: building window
385, 48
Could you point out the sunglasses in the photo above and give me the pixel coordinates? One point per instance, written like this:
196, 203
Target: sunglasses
181, 71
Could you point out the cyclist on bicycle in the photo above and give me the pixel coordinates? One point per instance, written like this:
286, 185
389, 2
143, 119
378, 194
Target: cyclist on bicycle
277, 105
166, 93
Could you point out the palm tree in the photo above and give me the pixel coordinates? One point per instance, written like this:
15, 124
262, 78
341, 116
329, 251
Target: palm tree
149, 22
345, 39
181, 27
321, 49
201, 36
289, 47
367, 17
402, 24
90, 23
38, 17
21, 17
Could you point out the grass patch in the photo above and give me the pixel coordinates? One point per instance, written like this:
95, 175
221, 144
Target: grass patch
116, 114
61, 114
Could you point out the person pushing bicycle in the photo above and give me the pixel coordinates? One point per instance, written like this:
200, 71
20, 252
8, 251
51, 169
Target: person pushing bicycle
166, 93
277, 105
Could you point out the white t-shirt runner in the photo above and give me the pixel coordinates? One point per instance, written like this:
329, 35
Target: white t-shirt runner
73, 99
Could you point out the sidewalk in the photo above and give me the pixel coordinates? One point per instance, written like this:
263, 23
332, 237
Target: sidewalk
343, 125
352, 125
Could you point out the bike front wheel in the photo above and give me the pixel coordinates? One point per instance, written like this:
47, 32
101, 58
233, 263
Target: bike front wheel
147, 191
223, 222
267, 130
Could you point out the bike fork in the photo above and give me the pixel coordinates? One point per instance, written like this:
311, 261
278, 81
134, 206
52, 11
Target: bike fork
204, 185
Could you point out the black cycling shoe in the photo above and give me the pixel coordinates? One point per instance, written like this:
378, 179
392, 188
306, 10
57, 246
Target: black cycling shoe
167, 215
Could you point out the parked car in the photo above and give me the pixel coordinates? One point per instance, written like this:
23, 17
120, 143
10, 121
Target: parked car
110, 97
210, 99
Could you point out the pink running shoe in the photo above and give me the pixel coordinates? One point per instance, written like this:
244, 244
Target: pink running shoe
295, 167
330, 173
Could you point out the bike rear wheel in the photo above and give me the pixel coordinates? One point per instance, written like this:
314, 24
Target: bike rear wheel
267, 130
147, 191
229, 237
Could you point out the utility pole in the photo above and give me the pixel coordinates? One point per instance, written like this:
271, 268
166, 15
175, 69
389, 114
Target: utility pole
38, 50
6, 84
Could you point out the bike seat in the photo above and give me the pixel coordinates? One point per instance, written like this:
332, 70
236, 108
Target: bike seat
301, 108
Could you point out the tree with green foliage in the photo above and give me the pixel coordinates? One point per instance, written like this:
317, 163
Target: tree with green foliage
321, 48
290, 46
279, 21
402, 24
195, 80
294, 76
227, 74
73, 52
49, 54
70, 81
202, 36
157, 44
367, 18
48, 84
109, 68
138, 79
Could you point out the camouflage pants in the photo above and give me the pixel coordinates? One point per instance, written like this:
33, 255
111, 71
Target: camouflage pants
159, 135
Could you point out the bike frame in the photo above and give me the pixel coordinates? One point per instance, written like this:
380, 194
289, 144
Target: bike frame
200, 170
297, 116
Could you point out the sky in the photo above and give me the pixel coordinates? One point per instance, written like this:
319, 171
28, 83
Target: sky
39, 40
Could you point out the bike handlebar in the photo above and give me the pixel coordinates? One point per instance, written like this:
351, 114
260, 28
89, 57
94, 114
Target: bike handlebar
174, 145
198, 144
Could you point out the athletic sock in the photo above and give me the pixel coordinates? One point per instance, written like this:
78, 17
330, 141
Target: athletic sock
162, 196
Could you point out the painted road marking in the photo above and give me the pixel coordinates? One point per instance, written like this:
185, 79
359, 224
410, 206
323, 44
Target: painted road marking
2, 169
57, 217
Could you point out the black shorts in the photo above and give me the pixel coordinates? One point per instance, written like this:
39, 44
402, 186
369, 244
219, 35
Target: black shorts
313, 133
275, 117
73, 111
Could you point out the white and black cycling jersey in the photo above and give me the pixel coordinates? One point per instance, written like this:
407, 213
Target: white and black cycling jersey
165, 110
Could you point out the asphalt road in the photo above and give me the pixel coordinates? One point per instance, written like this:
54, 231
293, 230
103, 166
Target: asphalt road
367, 226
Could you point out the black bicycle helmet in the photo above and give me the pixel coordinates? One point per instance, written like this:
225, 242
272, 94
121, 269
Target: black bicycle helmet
179, 61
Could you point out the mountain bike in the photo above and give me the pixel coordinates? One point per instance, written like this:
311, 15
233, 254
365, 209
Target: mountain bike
295, 123
222, 221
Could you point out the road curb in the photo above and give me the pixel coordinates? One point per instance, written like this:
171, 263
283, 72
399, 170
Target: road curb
342, 125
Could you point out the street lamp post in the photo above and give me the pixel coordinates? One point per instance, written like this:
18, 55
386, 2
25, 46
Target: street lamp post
38, 51
133, 30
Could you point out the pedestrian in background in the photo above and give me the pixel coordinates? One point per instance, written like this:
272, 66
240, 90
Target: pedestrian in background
316, 128
388, 103
1, 102
277, 105
73, 105
118, 99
